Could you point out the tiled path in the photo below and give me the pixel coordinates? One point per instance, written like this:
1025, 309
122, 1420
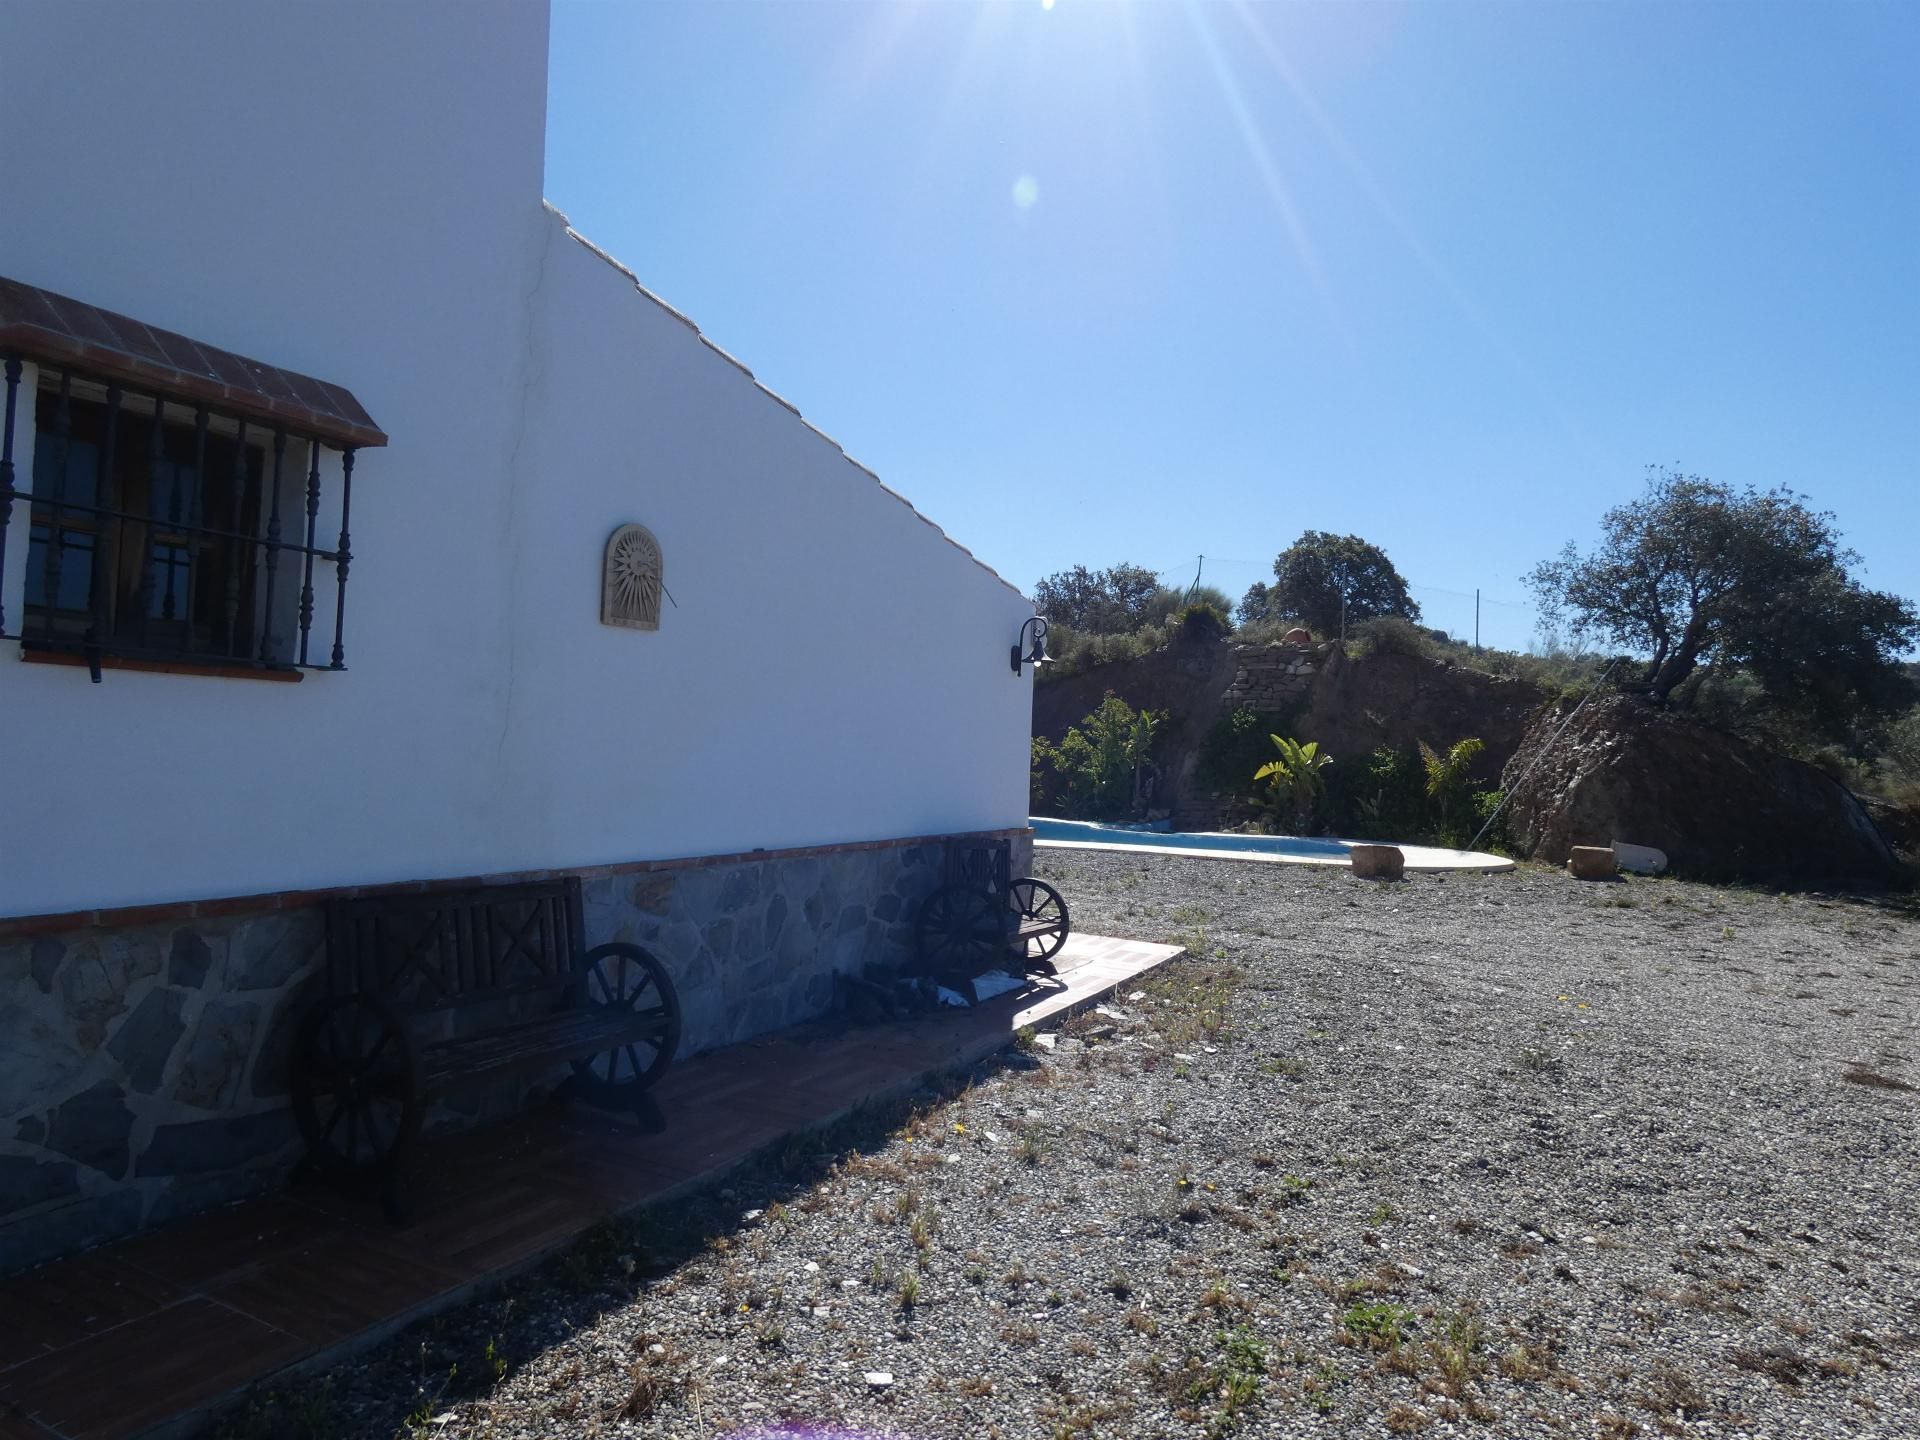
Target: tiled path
153, 1332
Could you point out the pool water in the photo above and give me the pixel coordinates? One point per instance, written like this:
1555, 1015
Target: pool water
1294, 849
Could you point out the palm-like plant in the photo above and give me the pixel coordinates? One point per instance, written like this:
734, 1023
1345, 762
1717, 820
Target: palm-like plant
1295, 778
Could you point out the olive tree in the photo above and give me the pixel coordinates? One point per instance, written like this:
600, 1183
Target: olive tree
1696, 573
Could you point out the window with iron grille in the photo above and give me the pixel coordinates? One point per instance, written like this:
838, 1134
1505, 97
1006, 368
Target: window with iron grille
165, 530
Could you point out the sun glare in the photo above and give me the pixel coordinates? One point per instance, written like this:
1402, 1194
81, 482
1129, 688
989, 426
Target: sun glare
1026, 192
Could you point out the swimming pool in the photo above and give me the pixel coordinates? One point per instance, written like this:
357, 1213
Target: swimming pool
1274, 849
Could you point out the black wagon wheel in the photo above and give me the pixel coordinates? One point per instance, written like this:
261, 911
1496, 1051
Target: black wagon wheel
1044, 925
961, 933
623, 979
355, 1085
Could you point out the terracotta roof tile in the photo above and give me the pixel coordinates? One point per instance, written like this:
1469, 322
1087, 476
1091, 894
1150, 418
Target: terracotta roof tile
37, 324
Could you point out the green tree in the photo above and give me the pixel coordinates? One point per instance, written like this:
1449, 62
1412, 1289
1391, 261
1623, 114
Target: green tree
1095, 763
1696, 573
1098, 602
1314, 576
1295, 777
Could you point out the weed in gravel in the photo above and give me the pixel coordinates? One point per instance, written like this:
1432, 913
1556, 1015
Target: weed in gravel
1775, 1361
1032, 1148
1026, 1040
1383, 1212
1404, 1419
1141, 1323
1672, 1392
1019, 1333
1320, 1386
1456, 1350
1294, 1189
662, 1375
1289, 1067
1525, 1361
1016, 1275
1376, 1324
908, 1293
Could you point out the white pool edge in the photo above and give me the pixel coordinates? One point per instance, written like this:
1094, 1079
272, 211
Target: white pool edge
1418, 857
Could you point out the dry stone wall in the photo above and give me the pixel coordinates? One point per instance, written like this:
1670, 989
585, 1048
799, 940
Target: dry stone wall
143, 1068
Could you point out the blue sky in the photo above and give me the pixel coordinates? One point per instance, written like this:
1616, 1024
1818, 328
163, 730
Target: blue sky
1144, 281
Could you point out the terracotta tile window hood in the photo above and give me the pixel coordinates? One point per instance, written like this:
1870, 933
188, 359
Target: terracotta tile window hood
174, 505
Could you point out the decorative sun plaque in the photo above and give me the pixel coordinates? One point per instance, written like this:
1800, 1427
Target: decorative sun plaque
630, 584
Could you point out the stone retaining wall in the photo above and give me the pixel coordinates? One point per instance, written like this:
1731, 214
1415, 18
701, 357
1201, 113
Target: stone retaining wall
1272, 679
143, 1060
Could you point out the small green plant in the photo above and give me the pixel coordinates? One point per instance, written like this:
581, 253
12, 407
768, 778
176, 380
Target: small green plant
908, 1292
1032, 1148
1294, 1189
1026, 1039
1377, 1323
1294, 779
1382, 1213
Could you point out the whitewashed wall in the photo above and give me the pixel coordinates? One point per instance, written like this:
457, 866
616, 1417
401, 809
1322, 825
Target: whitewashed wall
354, 191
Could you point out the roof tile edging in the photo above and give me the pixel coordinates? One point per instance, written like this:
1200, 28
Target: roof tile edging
593, 249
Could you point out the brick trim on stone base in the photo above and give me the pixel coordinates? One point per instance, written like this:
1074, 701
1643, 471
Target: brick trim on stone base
20, 926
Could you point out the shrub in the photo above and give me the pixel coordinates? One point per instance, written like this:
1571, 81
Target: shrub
1450, 788
1384, 798
1235, 746
1203, 624
1390, 635
1498, 838
1094, 765
1294, 775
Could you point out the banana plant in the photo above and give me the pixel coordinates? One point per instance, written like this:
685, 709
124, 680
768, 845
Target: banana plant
1295, 777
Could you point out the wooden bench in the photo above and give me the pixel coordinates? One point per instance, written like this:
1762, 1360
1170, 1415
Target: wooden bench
430, 992
984, 919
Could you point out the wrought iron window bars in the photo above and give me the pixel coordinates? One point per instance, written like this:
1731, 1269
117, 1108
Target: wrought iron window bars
169, 576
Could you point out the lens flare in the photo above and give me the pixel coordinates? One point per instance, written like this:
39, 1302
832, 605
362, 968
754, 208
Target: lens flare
1026, 192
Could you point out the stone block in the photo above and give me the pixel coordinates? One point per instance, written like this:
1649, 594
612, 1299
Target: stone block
266, 953
852, 918
45, 959
1378, 862
95, 978
1592, 862
739, 889
1642, 859
214, 1063
189, 960
39, 1061
775, 920
92, 1128
654, 893
146, 1038
270, 1067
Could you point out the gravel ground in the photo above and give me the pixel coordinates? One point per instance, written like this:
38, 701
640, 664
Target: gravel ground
1494, 1155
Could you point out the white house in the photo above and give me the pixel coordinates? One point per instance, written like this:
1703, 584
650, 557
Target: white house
311, 239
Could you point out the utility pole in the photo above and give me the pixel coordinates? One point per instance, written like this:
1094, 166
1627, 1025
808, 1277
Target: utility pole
1200, 563
1476, 619
1343, 617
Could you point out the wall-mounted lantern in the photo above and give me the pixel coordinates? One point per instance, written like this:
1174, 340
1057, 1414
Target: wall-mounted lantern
1036, 650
